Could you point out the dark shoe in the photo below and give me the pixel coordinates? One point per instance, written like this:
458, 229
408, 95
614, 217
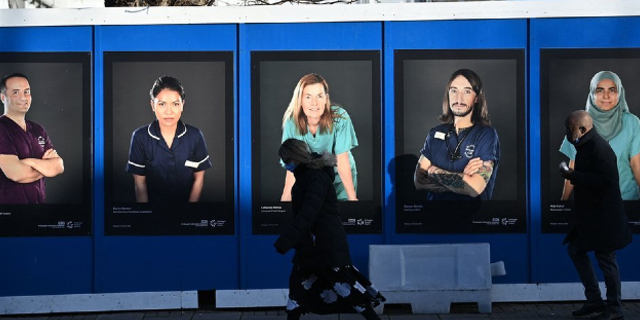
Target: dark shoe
609, 314
589, 308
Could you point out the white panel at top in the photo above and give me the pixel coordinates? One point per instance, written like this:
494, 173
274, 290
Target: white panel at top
320, 13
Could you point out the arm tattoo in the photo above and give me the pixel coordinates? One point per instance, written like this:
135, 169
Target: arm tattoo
486, 170
430, 184
449, 180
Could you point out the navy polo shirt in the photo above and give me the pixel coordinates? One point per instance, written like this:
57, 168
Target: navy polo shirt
477, 141
168, 171
25, 144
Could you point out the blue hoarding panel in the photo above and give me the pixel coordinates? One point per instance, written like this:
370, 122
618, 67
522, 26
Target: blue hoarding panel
585, 33
169, 38
134, 263
471, 43
464, 34
46, 265
46, 39
582, 46
258, 254
161, 263
165, 262
313, 36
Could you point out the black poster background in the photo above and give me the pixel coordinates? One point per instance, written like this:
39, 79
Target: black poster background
564, 86
208, 81
60, 85
354, 83
420, 80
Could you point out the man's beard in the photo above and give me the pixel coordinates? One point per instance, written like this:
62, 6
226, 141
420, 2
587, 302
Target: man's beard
461, 113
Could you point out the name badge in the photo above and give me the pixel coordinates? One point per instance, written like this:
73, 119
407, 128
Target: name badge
191, 164
440, 135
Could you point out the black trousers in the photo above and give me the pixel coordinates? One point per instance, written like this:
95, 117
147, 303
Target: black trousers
608, 265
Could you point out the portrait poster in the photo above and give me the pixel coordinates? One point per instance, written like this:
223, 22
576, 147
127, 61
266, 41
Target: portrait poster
565, 76
421, 84
353, 78
60, 87
207, 79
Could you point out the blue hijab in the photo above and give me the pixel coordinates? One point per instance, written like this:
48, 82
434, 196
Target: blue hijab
608, 123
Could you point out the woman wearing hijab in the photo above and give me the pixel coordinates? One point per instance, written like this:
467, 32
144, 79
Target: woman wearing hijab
323, 279
612, 120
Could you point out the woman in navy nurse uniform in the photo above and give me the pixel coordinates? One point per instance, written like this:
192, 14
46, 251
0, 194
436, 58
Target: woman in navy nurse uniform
168, 157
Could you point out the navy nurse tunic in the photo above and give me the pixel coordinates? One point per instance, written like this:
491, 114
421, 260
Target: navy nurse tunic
168, 171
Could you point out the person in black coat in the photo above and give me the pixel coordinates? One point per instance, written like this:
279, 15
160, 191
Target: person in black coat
601, 223
323, 279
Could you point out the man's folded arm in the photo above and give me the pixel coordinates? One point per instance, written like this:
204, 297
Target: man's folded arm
18, 170
422, 180
472, 185
49, 166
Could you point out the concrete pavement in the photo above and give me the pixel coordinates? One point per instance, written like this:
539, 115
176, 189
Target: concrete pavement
500, 311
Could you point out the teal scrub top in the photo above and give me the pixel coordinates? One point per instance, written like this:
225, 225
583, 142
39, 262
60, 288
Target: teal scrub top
341, 139
625, 145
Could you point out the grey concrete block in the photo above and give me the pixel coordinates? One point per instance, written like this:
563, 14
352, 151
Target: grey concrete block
432, 276
430, 266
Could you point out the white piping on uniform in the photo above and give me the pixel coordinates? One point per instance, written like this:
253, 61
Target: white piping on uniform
136, 165
149, 131
185, 130
157, 138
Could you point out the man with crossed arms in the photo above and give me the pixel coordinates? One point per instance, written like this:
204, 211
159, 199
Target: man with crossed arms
26, 152
459, 160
